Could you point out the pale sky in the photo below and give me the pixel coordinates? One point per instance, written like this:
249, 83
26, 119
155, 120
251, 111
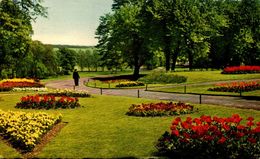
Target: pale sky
71, 22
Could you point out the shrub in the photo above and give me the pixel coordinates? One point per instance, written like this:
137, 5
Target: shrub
211, 137
160, 109
9, 84
47, 102
241, 69
24, 130
158, 76
130, 84
68, 93
236, 87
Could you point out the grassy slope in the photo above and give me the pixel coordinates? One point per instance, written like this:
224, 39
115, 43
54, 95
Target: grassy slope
102, 130
209, 76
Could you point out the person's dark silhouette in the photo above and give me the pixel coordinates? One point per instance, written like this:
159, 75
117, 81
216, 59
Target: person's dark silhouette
76, 77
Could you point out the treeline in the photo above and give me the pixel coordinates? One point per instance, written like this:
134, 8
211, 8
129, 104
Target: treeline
199, 33
151, 33
20, 56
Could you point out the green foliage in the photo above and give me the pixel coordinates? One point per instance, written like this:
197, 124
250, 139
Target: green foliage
16, 30
122, 37
159, 76
67, 60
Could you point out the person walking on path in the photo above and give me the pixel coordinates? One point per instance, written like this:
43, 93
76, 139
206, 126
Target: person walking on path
76, 77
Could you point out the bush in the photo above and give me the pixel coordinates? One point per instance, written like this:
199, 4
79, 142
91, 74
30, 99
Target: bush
159, 76
47, 102
236, 87
160, 109
241, 69
130, 84
24, 130
208, 137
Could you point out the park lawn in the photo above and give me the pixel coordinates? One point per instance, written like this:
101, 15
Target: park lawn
102, 130
87, 74
100, 84
202, 89
210, 76
193, 77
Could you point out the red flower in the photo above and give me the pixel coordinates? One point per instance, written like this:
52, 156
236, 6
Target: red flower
249, 123
197, 121
250, 119
222, 140
241, 127
175, 133
176, 121
252, 140
240, 134
185, 125
208, 138
257, 130
226, 127
186, 135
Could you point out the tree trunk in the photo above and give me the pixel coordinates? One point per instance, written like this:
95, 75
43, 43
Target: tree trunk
175, 55
190, 55
167, 45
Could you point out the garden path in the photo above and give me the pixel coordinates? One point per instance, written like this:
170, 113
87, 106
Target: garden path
239, 102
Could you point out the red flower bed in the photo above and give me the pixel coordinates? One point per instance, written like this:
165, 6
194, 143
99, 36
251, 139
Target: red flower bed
237, 87
160, 109
241, 69
47, 102
212, 136
7, 86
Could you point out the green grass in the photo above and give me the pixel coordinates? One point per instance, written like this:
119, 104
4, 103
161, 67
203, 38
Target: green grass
102, 130
193, 77
203, 89
88, 74
209, 76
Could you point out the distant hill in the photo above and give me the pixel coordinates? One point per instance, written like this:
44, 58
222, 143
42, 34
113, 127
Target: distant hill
72, 46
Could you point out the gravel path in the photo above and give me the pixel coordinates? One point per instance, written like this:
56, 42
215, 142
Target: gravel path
239, 102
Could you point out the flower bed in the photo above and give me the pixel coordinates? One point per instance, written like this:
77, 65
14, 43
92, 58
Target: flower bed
37, 89
68, 93
241, 69
160, 109
47, 102
207, 136
130, 84
236, 87
24, 130
9, 84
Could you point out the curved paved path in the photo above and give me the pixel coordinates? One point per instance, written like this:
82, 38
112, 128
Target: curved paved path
191, 98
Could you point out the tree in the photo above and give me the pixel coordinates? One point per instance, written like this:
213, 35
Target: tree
44, 60
123, 34
67, 60
240, 41
16, 30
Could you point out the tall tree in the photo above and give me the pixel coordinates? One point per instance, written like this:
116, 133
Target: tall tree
126, 35
16, 30
67, 60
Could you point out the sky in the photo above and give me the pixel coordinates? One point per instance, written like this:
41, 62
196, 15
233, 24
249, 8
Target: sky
70, 22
